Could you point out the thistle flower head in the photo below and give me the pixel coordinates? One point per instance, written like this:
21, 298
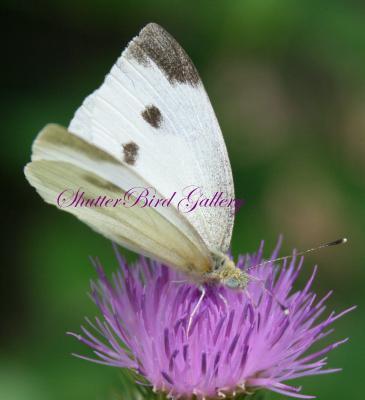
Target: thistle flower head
237, 342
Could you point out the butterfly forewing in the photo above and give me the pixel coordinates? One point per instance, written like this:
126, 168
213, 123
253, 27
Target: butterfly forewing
153, 115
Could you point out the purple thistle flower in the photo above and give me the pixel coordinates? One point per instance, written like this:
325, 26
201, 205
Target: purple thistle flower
236, 343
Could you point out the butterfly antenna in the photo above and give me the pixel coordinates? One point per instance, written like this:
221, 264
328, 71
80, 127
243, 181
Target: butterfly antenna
301, 253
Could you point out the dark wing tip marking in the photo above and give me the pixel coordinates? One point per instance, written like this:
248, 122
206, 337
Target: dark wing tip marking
152, 115
154, 43
130, 152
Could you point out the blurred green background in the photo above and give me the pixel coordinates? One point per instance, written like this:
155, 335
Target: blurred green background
286, 80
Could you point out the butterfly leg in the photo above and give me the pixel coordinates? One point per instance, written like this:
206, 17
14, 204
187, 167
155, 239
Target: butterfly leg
247, 293
186, 281
268, 291
224, 301
196, 308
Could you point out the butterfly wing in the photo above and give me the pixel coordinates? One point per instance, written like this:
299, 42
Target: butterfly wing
152, 113
63, 162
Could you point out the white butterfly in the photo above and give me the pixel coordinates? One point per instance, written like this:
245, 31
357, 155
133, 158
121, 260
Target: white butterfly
150, 124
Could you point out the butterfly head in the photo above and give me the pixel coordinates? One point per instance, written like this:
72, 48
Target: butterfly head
225, 272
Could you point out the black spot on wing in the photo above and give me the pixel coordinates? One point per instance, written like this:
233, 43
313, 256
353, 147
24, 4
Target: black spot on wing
130, 152
152, 115
154, 43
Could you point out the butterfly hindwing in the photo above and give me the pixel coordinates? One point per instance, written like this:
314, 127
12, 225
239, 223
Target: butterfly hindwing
63, 162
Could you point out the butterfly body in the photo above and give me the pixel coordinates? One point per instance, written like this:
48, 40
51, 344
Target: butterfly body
224, 271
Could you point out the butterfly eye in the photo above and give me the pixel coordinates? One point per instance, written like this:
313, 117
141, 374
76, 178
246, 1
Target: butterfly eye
233, 283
